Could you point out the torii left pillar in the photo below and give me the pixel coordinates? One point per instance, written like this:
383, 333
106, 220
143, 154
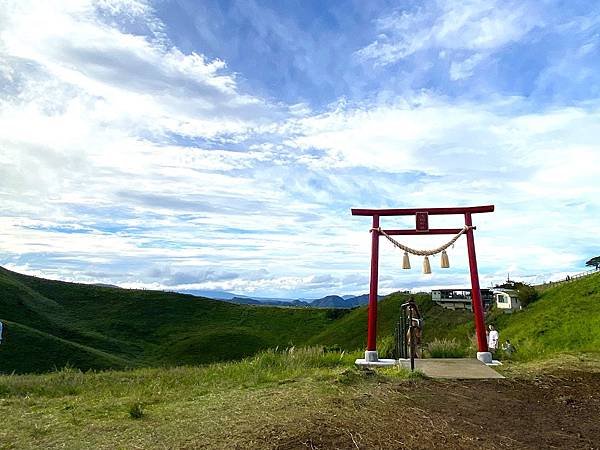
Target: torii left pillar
371, 352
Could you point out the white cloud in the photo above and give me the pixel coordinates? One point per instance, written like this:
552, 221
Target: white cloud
467, 32
534, 167
464, 69
119, 153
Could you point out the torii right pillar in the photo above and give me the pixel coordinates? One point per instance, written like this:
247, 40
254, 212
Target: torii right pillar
483, 353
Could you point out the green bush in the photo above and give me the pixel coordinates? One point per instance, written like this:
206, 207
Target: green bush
136, 411
334, 314
527, 294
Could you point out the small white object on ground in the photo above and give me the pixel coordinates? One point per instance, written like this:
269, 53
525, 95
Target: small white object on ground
494, 362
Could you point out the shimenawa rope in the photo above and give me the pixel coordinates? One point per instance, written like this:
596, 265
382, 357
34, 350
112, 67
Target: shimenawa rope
413, 251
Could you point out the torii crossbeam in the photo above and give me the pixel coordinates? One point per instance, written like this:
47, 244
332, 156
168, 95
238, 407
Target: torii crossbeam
422, 228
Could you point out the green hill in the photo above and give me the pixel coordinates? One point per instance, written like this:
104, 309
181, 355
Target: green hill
50, 324
566, 318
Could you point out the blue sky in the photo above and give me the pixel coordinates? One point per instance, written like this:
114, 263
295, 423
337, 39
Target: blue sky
220, 145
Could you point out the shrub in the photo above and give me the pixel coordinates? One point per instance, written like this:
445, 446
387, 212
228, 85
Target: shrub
136, 411
336, 313
527, 294
445, 348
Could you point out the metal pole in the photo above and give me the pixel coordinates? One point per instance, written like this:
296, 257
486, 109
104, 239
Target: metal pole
475, 290
404, 331
411, 333
372, 321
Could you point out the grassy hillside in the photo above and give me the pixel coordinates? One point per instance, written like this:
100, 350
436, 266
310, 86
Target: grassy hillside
565, 318
50, 324
294, 398
349, 332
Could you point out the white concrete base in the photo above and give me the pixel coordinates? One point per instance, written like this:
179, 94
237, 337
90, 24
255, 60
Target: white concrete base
378, 363
372, 360
484, 357
371, 356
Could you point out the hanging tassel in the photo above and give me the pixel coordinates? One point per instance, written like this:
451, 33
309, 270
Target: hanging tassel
426, 266
445, 263
405, 261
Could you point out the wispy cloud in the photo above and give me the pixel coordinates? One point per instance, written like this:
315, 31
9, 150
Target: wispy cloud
471, 29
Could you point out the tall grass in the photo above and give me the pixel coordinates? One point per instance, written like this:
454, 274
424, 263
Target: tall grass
445, 348
270, 366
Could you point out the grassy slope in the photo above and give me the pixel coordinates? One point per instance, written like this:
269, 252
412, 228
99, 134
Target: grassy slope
565, 318
50, 324
275, 395
350, 331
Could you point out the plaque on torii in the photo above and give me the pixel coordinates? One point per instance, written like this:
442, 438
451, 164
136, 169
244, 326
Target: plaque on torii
422, 219
422, 228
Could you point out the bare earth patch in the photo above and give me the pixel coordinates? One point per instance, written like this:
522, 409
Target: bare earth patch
554, 411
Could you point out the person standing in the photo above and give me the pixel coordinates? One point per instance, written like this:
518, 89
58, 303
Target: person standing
1, 330
493, 338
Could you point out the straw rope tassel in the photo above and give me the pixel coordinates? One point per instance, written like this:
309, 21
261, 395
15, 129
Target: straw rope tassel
405, 261
426, 266
445, 263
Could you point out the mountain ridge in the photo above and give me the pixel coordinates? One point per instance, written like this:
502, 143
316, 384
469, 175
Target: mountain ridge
329, 301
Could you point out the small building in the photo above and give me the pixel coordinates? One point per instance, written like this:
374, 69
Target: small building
507, 300
460, 298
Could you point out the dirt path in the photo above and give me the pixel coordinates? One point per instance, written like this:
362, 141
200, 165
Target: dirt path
554, 411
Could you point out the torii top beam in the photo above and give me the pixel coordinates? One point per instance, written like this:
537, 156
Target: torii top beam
430, 211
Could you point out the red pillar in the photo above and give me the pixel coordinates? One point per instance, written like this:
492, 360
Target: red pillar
475, 290
372, 323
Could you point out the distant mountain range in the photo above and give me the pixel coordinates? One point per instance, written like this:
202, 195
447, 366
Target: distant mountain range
329, 301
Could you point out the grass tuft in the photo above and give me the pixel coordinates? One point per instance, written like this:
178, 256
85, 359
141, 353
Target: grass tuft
445, 348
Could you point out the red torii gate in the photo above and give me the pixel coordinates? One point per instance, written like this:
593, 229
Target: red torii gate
422, 228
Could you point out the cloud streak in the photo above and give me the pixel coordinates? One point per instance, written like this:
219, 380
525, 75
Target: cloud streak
473, 28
